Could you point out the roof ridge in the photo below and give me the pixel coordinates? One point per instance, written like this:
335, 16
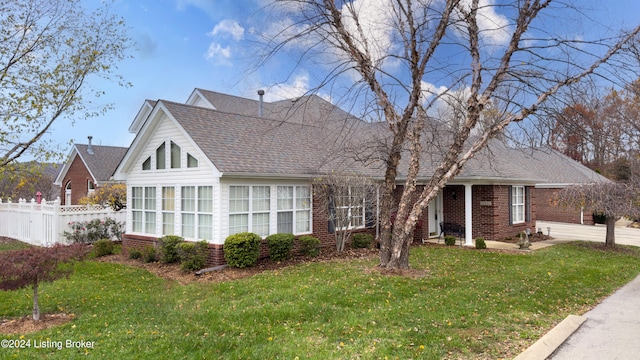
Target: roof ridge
253, 117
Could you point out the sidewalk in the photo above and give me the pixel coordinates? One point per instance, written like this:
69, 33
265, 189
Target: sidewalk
611, 330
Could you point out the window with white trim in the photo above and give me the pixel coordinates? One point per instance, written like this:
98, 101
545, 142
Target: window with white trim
238, 209
143, 209
350, 207
294, 209
176, 154
197, 212
517, 204
168, 209
161, 157
249, 209
173, 153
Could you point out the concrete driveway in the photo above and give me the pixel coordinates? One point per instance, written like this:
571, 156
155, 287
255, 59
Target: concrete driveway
609, 330
563, 231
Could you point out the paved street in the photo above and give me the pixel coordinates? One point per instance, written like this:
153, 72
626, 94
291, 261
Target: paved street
562, 231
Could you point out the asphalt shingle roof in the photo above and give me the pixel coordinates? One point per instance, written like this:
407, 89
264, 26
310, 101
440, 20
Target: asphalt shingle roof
104, 160
310, 137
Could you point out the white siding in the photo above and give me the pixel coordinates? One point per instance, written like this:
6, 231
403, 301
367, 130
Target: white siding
204, 175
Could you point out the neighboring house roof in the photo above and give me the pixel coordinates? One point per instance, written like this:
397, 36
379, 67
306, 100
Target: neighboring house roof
311, 137
101, 161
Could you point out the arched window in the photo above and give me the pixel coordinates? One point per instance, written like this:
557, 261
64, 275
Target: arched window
67, 193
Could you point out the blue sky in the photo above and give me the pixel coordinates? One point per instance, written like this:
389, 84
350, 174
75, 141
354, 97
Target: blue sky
184, 44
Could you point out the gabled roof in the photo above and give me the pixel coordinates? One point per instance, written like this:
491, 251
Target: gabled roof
310, 137
238, 144
101, 162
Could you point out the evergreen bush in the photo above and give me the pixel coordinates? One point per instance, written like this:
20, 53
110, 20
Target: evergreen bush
168, 248
193, 255
103, 247
361, 240
280, 246
450, 240
309, 245
242, 249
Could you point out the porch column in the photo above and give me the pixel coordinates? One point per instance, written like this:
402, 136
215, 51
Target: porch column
468, 217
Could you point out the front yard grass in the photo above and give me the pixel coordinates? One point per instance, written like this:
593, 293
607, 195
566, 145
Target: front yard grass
467, 304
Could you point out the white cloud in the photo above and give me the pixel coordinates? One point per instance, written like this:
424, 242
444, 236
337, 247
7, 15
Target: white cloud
495, 28
228, 27
299, 86
218, 53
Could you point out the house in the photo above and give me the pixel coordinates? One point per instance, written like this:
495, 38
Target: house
88, 167
221, 164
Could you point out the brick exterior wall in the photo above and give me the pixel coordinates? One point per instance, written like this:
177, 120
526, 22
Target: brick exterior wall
548, 212
490, 210
79, 176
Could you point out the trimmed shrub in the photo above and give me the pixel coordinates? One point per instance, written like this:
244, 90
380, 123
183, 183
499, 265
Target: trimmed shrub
193, 255
103, 247
480, 243
450, 240
309, 245
361, 240
168, 248
149, 254
280, 246
135, 254
242, 249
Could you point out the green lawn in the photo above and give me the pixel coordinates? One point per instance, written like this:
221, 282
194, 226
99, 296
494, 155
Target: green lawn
469, 304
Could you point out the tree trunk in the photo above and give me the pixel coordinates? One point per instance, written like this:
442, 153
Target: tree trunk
36, 307
611, 231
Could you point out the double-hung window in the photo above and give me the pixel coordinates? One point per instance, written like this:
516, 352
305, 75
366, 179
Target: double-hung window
168, 209
249, 209
517, 204
294, 209
143, 209
349, 207
238, 209
197, 212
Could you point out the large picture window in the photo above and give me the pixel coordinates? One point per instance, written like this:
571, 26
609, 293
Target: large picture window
517, 204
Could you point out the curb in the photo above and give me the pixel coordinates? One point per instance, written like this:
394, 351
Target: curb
547, 344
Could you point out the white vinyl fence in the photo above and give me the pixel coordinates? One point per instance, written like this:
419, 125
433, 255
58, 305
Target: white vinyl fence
44, 224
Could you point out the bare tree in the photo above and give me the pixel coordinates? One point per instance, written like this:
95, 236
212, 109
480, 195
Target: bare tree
350, 201
396, 51
614, 200
49, 49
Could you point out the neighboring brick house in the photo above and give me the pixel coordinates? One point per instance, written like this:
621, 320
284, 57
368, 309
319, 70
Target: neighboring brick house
87, 168
221, 164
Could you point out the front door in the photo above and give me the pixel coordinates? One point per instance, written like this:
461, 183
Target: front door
435, 215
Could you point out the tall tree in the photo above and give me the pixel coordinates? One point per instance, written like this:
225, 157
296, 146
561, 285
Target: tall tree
49, 49
399, 52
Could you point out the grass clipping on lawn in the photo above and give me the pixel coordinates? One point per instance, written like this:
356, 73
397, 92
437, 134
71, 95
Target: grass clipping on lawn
461, 303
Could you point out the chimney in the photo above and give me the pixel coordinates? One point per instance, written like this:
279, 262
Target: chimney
89, 148
260, 94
